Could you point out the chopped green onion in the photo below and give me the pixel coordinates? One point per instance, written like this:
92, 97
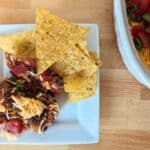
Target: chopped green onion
20, 86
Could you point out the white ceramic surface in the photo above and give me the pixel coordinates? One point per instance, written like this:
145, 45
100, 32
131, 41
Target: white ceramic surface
126, 46
77, 123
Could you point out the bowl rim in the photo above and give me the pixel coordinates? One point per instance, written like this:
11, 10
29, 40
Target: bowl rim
126, 45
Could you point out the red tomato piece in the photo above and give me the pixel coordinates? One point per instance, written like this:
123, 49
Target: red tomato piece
19, 70
55, 90
136, 29
14, 126
144, 39
139, 31
143, 6
48, 76
29, 61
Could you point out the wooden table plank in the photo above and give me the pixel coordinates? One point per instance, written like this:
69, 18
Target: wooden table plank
17, 4
39, 147
119, 140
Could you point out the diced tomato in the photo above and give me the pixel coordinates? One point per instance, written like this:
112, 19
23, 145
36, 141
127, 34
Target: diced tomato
144, 39
139, 31
136, 29
29, 61
55, 90
19, 70
14, 126
48, 76
143, 6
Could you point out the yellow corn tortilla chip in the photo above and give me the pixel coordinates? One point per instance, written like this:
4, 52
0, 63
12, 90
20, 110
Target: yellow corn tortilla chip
97, 60
73, 82
62, 68
79, 87
54, 37
21, 44
75, 61
82, 46
91, 54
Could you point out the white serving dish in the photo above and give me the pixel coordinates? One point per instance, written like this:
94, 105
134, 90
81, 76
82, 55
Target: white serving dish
77, 123
126, 46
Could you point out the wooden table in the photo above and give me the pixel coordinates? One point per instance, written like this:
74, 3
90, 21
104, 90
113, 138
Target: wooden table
125, 104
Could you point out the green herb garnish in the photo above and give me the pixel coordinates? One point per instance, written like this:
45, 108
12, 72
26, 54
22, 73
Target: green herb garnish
20, 87
138, 43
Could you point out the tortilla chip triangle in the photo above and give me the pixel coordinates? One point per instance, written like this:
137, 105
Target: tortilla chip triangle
75, 61
54, 37
21, 44
79, 87
59, 45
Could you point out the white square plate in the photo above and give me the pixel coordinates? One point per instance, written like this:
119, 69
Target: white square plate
77, 123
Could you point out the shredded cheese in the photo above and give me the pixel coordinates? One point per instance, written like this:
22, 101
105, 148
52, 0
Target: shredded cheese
145, 56
29, 107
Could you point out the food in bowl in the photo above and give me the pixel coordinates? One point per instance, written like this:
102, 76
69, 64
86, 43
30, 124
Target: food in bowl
139, 19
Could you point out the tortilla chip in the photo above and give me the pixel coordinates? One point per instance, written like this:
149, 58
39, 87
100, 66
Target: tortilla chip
97, 60
82, 45
91, 54
73, 82
54, 37
79, 87
62, 68
75, 61
20, 44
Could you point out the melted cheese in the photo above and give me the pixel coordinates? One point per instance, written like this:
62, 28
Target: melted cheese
2, 108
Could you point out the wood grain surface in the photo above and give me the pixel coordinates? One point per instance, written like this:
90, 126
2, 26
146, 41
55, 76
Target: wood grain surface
125, 104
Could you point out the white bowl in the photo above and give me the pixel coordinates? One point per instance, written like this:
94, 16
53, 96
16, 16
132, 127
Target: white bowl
126, 46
